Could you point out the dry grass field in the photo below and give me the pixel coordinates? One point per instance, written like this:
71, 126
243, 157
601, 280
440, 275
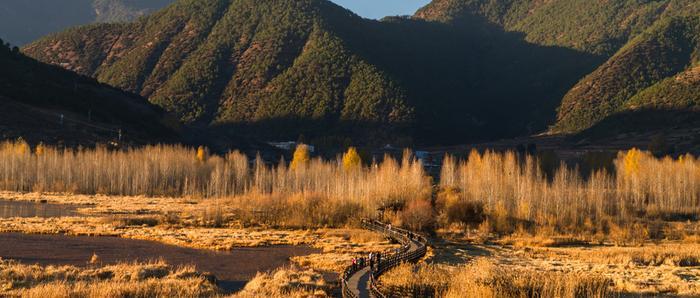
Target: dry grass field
286, 282
667, 267
482, 278
121, 280
145, 280
155, 219
503, 225
184, 223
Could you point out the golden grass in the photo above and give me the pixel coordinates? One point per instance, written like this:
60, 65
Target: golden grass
286, 282
337, 250
155, 279
482, 278
122, 219
667, 254
670, 268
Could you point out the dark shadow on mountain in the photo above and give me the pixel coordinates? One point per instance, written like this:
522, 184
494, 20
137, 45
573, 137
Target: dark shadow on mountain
642, 121
328, 133
469, 80
40, 98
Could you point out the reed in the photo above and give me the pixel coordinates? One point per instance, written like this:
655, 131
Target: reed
483, 278
155, 279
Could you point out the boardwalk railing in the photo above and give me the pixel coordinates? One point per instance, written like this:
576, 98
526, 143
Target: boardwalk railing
413, 247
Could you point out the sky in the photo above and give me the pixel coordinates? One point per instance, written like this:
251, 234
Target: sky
377, 9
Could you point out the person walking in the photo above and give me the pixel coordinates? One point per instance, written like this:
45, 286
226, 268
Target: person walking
371, 261
354, 264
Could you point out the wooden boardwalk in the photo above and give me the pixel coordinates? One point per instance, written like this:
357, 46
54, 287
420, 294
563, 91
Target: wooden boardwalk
359, 283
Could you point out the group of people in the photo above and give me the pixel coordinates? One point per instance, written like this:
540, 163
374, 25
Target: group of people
374, 258
373, 261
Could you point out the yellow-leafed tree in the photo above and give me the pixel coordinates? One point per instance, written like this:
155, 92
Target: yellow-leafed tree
301, 157
201, 154
21, 147
352, 160
40, 149
631, 161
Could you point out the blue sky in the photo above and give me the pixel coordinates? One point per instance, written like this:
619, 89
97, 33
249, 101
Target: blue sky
376, 9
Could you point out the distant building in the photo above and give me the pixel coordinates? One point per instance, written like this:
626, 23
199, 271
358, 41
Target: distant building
289, 146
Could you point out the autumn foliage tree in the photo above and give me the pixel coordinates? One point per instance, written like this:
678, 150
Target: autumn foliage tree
352, 160
201, 154
40, 149
301, 157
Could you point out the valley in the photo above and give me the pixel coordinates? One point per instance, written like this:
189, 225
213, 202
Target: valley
292, 148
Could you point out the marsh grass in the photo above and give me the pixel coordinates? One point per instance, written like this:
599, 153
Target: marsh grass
673, 255
484, 279
155, 279
286, 282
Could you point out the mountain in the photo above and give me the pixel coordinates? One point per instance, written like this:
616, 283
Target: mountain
22, 21
596, 27
44, 103
280, 69
649, 80
658, 70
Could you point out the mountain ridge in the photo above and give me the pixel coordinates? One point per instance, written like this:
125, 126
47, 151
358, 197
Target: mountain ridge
596, 27
243, 64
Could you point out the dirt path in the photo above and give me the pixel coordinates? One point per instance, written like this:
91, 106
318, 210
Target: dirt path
233, 269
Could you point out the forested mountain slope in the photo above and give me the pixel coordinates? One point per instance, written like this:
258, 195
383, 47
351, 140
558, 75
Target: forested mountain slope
597, 27
658, 70
23, 21
651, 47
278, 69
44, 103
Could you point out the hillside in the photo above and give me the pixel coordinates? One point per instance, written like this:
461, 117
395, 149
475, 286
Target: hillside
650, 79
34, 96
23, 21
596, 27
658, 70
280, 69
